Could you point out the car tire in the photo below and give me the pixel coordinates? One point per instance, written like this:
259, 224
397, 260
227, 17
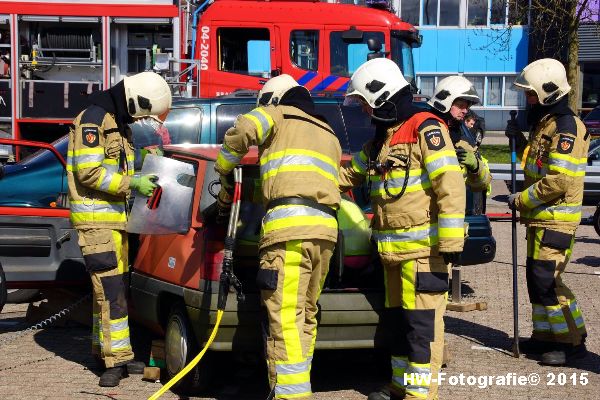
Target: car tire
2, 288
596, 220
180, 348
17, 296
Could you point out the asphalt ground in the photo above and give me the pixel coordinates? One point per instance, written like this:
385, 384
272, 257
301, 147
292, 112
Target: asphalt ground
55, 362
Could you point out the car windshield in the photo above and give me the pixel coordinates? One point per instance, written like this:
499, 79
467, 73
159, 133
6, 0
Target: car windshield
346, 55
402, 55
43, 155
593, 115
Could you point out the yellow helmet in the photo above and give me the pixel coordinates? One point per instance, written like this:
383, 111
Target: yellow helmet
274, 89
547, 78
147, 94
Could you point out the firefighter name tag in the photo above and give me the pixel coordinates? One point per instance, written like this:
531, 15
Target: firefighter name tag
565, 144
434, 139
90, 136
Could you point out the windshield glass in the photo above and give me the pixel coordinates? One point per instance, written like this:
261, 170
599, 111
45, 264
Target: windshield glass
42, 155
402, 55
347, 55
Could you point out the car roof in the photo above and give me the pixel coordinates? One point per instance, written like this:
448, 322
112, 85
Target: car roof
210, 152
249, 96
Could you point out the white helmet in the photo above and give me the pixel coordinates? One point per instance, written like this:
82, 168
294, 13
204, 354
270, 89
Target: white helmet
376, 81
547, 78
274, 89
450, 89
147, 94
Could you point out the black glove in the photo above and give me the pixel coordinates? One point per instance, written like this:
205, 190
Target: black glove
227, 182
513, 131
451, 257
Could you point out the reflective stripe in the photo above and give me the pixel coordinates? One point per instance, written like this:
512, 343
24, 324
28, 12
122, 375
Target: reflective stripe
563, 212
568, 165
399, 365
85, 161
408, 284
541, 326
440, 162
289, 301
417, 180
359, 163
530, 199
96, 206
291, 391
533, 170
557, 320
451, 225
576, 313
263, 122
295, 368
228, 158
423, 369
296, 215
418, 380
284, 161
109, 181
411, 234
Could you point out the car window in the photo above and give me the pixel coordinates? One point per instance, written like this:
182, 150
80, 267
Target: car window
226, 115
38, 180
594, 153
183, 125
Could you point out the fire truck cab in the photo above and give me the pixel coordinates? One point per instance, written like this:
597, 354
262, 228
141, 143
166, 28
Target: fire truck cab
241, 43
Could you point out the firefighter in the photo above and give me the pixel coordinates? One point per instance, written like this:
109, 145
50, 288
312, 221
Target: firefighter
418, 197
299, 162
550, 208
452, 98
100, 177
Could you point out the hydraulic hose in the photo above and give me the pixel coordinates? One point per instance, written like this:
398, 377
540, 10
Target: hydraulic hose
226, 280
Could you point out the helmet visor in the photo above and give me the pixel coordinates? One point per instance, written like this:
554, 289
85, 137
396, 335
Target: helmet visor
521, 83
353, 100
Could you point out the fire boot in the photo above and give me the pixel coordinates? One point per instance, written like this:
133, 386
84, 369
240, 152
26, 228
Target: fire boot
384, 394
564, 354
535, 346
111, 377
135, 367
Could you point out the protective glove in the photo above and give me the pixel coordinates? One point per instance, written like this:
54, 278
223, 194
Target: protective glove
223, 207
144, 184
467, 159
513, 131
511, 199
227, 183
451, 257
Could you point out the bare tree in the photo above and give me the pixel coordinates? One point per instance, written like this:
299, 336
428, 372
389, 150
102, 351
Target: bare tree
553, 28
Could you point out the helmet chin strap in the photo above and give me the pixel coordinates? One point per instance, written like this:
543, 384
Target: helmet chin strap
382, 119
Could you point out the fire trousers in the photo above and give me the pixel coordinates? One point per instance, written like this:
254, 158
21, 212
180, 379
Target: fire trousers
291, 278
555, 313
105, 253
416, 293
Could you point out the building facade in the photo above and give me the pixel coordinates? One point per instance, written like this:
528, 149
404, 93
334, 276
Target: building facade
472, 38
589, 57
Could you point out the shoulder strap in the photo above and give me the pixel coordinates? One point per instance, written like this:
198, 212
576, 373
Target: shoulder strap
409, 131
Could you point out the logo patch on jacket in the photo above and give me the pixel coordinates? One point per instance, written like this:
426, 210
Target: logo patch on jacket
565, 144
90, 136
434, 139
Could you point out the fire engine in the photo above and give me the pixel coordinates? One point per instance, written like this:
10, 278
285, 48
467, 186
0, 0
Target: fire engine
54, 53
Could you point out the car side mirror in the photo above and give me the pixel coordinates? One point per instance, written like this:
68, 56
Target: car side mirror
374, 45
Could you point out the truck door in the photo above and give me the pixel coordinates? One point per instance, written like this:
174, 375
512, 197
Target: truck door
346, 49
241, 58
302, 54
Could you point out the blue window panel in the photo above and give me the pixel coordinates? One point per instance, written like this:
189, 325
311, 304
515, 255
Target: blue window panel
357, 54
259, 57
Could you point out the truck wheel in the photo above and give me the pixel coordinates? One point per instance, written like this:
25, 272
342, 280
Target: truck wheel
180, 348
2, 288
596, 221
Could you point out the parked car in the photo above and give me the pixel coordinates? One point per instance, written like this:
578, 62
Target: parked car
592, 122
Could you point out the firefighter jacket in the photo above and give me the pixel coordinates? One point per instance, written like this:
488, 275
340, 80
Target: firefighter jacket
299, 157
99, 169
429, 216
479, 180
554, 173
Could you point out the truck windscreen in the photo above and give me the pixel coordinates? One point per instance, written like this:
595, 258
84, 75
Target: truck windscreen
347, 55
402, 55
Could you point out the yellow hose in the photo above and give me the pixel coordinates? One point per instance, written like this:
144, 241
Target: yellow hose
192, 363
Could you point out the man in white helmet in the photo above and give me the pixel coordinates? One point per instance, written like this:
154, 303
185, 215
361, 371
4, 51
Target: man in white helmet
418, 199
452, 98
100, 167
299, 165
550, 208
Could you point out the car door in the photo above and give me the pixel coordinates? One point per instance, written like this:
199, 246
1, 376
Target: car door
38, 244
